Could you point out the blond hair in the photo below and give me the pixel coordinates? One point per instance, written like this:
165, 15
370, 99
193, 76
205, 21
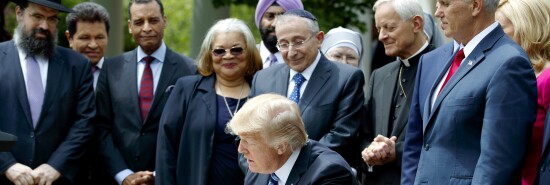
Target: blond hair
274, 117
530, 19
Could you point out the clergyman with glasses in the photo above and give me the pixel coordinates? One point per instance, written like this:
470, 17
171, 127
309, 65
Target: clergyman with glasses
329, 94
47, 99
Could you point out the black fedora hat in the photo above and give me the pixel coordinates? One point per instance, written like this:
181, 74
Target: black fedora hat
54, 4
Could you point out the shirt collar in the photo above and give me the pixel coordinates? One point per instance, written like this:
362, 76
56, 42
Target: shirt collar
309, 70
477, 39
100, 63
406, 61
264, 52
159, 54
285, 170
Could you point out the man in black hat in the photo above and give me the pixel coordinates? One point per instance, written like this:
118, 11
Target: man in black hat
47, 99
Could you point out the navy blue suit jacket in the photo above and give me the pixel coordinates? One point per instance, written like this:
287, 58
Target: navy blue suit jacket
126, 141
543, 176
330, 105
63, 127
316, 164
478, 129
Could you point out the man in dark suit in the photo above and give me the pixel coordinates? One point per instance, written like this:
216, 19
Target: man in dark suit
472, 110
329, 94
543, 176
275, 145
131, 93
400, 27
47, 99
88, 33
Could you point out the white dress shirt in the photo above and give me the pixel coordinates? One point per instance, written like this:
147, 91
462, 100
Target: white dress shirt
306, 73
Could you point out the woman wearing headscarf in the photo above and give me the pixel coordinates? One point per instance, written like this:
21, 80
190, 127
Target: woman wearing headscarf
343, 45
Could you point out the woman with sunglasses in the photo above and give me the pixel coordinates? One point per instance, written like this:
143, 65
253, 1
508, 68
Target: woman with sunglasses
193, 147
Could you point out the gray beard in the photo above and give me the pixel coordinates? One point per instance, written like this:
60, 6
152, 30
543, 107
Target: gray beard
32, 45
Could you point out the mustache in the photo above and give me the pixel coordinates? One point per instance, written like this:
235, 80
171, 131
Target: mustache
267, 30
43, 31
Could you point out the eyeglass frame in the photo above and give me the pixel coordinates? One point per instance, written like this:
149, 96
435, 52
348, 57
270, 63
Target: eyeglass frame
36, 17
296, 45
234, 53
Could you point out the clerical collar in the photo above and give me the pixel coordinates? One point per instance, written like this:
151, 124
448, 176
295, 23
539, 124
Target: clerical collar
406, 61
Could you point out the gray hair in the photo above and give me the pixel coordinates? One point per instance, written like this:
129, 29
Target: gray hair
87, 12
205, 62
312, 25
272, 116
406, 9
492, 5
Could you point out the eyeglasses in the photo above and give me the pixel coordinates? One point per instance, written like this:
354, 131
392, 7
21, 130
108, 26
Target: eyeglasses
39, 18
284, 46
235, 51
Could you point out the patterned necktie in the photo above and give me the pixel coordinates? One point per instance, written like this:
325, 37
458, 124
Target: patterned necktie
272, 59
454, 66
35, 89
298, 80
146, 88
94, 69
273, 180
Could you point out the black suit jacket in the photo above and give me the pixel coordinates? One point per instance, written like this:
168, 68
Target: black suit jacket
126, 142
543, 175
330, 105
186, 133
379, 102
316, 164
63, 127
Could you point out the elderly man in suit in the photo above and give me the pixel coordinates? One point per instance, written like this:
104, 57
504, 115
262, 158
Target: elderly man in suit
543, 176
329, 94
400, 27
47, 99
266, 13
131, 93
275, 145
474, 103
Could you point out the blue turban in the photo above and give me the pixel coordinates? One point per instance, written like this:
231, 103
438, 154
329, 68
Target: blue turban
287, 5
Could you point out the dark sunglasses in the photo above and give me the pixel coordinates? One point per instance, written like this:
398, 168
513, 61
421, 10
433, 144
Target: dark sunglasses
235, 51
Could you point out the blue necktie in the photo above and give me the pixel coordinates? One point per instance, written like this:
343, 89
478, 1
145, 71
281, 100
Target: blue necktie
274, 180
298, 80
35, 89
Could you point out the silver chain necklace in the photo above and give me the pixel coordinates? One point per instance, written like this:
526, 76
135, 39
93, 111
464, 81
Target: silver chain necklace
238, 101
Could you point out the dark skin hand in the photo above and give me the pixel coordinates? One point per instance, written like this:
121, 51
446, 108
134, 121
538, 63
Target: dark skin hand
140, 178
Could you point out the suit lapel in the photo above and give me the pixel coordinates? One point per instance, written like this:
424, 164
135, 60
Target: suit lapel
129, 82
301, 165
11, 57
281, 84
428, 111
210, 100
546, 134
319, 77
387, 89
55, 76
169, 68
470, 62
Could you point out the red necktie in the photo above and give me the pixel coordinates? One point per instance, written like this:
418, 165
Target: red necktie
146, 88
454, 66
